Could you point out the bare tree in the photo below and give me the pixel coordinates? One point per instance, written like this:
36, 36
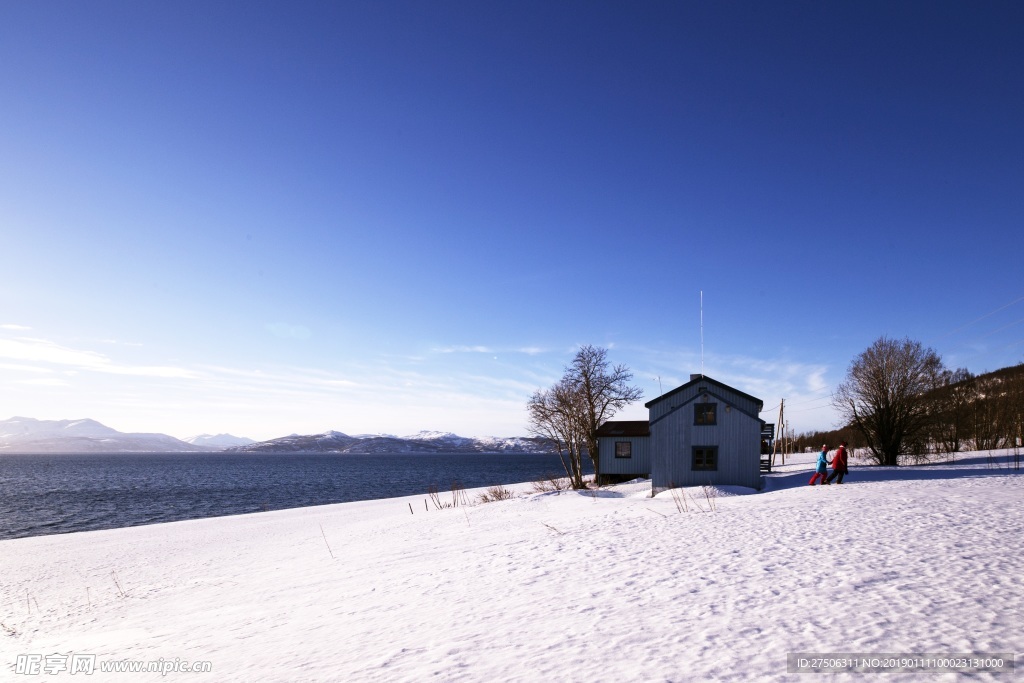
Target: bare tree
555, 414
883, 395
570, 412
605, 392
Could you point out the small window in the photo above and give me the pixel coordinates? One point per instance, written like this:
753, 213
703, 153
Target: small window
705, 458
623, 449
705, 413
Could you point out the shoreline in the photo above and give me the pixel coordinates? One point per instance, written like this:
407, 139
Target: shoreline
71, 493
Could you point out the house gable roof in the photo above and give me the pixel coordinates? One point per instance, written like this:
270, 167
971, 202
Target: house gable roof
707, 380
704, 395
624, 428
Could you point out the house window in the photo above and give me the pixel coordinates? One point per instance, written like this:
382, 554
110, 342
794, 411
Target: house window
705, 413
623, 449
705, 458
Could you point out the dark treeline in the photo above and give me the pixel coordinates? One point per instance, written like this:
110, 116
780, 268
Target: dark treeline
813, 441
964, 412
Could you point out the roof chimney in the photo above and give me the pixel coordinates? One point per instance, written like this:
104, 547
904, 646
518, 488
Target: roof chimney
695, 376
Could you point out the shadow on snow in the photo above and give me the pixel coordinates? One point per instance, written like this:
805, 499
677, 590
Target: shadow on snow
973, 466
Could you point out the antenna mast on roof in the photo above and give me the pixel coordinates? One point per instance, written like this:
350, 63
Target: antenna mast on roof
702, 333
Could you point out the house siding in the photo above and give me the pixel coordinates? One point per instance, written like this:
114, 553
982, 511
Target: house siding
737, 434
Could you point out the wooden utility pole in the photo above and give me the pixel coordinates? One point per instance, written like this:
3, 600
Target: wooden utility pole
781, 426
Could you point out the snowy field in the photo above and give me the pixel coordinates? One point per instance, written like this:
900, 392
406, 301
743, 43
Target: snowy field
570, 586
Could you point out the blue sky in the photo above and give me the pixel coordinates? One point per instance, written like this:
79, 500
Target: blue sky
266, 218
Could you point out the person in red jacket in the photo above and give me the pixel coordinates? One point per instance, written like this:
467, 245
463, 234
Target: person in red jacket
839, 468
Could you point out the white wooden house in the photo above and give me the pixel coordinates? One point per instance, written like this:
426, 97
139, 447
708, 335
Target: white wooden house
704, 432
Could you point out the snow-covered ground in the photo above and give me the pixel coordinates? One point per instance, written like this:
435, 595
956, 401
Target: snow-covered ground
570, 586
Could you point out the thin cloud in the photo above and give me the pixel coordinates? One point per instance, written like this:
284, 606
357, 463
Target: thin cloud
767, 378
118, 342
44, 382
17, 367
464, 349
163, 371
285, 377
44, 351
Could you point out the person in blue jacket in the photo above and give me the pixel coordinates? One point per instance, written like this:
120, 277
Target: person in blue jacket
821, 471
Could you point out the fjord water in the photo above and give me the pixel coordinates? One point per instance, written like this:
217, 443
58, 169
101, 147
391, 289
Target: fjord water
50, 494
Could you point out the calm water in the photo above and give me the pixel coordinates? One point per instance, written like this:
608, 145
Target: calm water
52, 494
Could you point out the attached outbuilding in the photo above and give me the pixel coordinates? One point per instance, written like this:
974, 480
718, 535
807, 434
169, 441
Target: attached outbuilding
704, 432
624, 450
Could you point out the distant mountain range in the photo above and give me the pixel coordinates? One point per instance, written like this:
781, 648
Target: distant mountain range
424, 442
218, 442
28, 435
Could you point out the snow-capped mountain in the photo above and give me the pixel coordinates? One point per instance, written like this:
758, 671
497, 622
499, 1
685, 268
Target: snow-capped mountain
28, 435
218, 442
514, 444
27, 428
423, 442
447, 438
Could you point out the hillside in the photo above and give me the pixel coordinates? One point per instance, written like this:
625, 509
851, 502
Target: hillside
983, 412
423, 442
